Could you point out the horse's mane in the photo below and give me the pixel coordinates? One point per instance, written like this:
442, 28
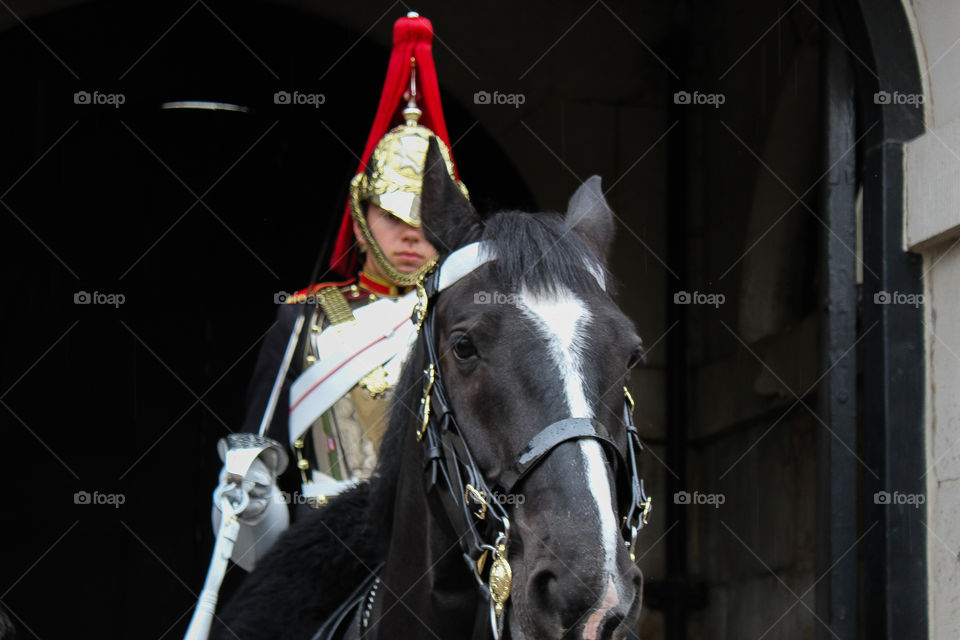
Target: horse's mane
537, 252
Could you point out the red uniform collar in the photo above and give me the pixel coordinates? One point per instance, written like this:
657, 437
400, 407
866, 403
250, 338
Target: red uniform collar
379, 286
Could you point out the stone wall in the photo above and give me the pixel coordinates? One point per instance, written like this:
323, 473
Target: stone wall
933, 227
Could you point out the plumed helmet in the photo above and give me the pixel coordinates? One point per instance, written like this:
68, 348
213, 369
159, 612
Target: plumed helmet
391, 169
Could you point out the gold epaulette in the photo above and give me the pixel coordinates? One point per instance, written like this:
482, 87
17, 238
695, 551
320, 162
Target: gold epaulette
311, 292
330, 299
335, 306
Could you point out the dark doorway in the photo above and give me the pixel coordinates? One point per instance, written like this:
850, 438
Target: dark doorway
177, 226
198, 217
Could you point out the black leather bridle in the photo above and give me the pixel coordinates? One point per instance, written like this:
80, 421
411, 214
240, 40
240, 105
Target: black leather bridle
472, 507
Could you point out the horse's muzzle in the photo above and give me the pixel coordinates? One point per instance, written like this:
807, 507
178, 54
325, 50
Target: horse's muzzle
561, 603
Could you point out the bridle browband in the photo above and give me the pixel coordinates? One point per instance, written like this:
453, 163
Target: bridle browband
455, 482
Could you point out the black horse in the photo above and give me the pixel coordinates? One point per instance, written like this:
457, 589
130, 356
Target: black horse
509, 448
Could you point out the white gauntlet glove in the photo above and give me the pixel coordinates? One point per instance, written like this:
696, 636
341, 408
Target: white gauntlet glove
265, 515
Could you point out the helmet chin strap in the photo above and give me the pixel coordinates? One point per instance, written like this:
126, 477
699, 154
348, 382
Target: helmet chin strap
398, 277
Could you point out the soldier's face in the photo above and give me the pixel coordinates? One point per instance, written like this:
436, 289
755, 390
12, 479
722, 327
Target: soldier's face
405, 247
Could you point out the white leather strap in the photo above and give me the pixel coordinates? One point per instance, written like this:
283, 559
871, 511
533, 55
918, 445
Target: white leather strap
461, 263
464, 260
348, 352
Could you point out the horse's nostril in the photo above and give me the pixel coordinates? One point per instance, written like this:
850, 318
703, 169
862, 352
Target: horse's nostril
559, 601
542, 589
611, 625
544, 594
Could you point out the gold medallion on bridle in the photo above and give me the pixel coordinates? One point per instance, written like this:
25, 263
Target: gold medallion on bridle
501, 578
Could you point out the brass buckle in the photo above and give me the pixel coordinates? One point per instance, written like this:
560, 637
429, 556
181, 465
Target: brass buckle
472, 492
647, 507
626, 393
425, 400
420, 309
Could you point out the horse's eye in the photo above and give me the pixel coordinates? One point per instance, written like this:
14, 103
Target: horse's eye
464, 349
637, 356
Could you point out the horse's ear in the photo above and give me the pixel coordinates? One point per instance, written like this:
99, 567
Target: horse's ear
589, 215
449, 220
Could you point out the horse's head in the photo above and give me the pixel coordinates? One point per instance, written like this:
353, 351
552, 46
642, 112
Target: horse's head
524, 341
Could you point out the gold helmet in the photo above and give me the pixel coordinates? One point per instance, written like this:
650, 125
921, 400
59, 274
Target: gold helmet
394, 176
393, 181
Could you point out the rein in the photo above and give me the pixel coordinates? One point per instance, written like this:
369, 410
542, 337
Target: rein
454, 480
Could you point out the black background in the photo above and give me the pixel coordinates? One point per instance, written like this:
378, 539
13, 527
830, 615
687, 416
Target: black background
131, 400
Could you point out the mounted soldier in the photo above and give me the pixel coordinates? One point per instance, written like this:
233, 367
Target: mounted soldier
322, 385
353, 350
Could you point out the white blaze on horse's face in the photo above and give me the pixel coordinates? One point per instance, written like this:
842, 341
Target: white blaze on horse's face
562, 319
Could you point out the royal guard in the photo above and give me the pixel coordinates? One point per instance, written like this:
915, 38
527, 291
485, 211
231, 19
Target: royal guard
321, 389
334, 412
359, 332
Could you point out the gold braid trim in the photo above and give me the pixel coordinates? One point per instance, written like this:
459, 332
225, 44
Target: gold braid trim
335, 306
398, 277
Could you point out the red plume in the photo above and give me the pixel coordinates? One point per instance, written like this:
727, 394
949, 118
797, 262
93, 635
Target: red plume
412, 38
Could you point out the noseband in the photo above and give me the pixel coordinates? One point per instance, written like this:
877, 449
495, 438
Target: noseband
456, 483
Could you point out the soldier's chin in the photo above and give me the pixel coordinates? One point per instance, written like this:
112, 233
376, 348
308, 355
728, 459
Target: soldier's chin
408, 266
